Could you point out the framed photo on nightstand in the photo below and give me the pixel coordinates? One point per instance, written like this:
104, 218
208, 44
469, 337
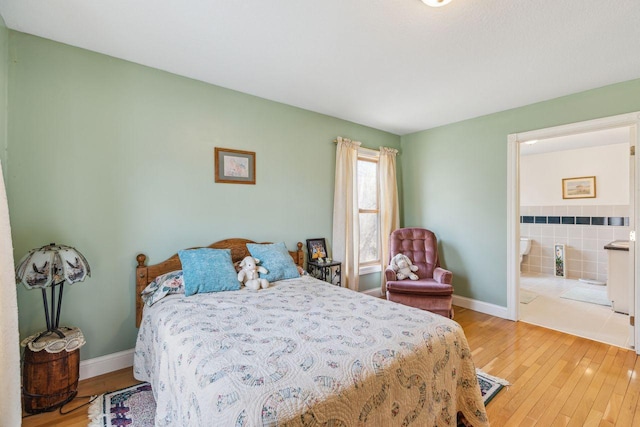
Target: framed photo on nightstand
317, 249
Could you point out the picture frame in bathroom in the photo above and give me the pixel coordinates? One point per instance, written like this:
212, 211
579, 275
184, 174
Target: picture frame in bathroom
583, 187
559, 268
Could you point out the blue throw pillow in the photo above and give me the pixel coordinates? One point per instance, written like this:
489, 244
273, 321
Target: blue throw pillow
208, 270
276, 259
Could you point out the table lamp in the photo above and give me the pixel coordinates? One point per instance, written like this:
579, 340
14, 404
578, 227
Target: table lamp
48, 267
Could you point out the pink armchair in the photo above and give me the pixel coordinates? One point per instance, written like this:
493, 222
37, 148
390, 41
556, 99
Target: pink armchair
433, 290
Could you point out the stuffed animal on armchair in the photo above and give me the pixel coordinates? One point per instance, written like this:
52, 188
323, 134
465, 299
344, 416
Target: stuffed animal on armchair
249, 274
403, 267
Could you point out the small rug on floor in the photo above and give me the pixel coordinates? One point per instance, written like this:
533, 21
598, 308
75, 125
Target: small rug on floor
132, 406
489, 387
593, 295
527, 296
135, 407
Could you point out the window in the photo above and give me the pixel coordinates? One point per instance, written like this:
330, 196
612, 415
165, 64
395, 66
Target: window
369, 211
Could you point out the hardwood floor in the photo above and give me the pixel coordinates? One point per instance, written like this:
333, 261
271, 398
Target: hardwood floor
556, 379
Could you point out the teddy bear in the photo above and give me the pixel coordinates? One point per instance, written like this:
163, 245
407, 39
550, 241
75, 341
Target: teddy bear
249, 274
403, 267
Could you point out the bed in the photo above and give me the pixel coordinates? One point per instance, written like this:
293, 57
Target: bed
300, 353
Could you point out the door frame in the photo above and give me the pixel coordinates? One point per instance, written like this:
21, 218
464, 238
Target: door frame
631, 120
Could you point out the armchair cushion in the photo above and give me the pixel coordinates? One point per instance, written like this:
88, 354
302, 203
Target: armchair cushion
420, 287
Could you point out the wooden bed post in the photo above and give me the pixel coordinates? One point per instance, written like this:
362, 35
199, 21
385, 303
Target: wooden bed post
300, 253
141, 283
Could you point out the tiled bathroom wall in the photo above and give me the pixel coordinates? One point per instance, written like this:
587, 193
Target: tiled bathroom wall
584, 230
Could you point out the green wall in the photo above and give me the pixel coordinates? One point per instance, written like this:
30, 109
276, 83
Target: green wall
4, 78
117, 159
455, 181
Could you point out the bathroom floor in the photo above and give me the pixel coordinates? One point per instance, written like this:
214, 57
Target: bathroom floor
547, 309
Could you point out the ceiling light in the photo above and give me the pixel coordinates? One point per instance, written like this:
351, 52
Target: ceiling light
436, 3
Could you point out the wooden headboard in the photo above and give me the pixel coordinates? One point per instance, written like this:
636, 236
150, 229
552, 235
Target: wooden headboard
146, 274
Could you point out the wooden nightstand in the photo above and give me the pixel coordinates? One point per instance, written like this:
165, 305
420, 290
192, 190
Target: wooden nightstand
328, 271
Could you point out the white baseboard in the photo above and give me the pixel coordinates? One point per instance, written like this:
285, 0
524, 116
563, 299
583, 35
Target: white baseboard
481, 306
105, 364
375, 292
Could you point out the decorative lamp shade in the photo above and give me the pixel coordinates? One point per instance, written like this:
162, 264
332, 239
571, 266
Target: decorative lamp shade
51, 265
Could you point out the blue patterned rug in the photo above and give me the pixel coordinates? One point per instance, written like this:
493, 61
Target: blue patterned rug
489, 385
135, 407
132, 407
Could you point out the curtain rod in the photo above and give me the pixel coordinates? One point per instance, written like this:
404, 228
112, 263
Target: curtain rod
335, 141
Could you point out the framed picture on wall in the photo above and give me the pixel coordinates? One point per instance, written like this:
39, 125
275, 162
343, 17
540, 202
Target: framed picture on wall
317, 249
234, 166
579, 188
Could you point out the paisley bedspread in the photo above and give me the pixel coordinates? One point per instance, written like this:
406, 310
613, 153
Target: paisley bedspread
304, 353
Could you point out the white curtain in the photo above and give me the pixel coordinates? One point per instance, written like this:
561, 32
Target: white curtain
389, 206
346, 223
10, 406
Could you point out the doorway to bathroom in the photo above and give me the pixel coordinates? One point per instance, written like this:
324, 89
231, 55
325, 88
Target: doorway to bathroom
570, 292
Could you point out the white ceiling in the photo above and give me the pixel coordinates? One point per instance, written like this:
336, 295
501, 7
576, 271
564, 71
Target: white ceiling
396, 65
